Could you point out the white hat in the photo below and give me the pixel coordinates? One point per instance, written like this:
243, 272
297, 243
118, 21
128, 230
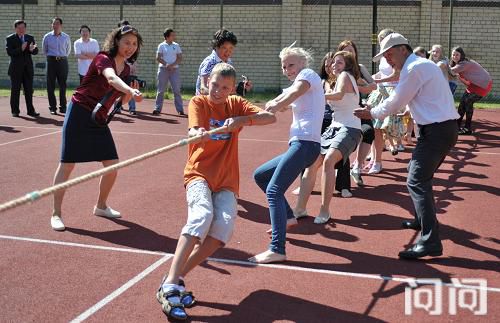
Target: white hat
388, 42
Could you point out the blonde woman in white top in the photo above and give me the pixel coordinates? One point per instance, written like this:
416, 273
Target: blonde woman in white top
339, 140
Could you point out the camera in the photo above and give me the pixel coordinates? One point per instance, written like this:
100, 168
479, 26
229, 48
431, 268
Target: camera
131, 78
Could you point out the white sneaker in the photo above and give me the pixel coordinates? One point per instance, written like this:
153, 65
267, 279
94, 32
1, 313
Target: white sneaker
346, 193
322, 218
107, 213
56, 223
356, 176
375, 169
299, 214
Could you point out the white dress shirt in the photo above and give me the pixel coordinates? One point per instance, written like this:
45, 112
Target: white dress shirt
424, 89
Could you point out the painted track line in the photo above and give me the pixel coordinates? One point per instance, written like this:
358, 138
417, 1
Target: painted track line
96, 307
81, 245
460, 150
29, 138
249, 264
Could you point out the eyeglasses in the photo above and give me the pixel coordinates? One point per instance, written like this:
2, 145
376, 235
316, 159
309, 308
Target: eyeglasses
126, 29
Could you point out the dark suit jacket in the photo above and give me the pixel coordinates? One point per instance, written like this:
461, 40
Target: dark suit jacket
19, 59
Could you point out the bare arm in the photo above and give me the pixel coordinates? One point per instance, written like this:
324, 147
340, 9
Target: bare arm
343, 86
391, 78
281, 102
119, 85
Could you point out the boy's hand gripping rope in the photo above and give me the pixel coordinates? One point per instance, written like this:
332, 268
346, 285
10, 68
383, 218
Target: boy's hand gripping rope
36, 195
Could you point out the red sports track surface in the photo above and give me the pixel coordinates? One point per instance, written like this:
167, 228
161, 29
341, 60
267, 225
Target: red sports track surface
103, 270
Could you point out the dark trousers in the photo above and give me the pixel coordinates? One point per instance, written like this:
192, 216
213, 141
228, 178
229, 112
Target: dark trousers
466, 108
24, 78
57, 70
433, 144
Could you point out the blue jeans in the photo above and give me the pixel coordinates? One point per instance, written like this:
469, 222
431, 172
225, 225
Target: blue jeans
131, 105
275, 177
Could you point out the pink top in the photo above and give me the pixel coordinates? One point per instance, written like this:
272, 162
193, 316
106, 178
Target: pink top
473, 72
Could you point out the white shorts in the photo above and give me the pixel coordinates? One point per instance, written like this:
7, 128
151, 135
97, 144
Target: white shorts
210, 213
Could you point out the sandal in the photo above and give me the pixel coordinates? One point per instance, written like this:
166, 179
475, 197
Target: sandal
173, 310
187, 298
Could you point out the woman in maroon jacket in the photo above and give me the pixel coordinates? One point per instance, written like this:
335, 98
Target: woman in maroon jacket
84, 139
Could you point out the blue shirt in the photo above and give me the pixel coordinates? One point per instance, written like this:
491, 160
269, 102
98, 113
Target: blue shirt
206, 68
56, 45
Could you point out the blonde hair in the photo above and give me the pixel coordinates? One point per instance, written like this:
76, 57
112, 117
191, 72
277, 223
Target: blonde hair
224, 70
442, 52
300, 52
384, 33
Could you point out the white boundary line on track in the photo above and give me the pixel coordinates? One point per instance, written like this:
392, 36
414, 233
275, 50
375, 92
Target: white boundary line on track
246, 263
19, 140
96, 307
461, 150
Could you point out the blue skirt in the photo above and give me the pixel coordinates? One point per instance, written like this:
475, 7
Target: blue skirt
83, 140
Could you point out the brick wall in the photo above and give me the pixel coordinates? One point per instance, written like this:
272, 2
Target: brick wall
263, 30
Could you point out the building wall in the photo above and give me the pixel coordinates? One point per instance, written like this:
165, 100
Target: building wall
264, 29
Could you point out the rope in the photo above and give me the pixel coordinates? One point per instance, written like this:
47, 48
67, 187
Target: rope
36, 195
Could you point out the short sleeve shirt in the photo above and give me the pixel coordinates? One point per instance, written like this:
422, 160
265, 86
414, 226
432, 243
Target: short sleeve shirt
95, 86
207, 66
169, 52
92, 46
216, 160
308, 109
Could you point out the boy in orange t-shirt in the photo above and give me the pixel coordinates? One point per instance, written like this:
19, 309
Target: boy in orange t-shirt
211, 178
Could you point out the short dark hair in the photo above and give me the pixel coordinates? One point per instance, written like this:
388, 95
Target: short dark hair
167, 32
18, 22
57, 18
123, 23
112, 39
223, 35
84, 26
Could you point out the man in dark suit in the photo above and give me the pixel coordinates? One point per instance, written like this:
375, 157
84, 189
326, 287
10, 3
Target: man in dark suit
20, 46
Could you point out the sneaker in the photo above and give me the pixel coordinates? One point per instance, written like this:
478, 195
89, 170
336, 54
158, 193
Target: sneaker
107, 212
375, 169
465, 131
132, 113
346, 193
322, 219
56, 223
356, 176
156, 112
299, 214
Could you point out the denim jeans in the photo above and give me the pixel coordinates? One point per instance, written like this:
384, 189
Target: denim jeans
275, 177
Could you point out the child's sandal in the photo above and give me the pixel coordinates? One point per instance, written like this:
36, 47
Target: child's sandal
173, 310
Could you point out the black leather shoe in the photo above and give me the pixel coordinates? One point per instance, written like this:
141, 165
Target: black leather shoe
411, 225
420, 250
53, 111
62, 110
156, 112
15, 115
33, 114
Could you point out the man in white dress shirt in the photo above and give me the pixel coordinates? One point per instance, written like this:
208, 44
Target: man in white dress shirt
423, 88
169, 55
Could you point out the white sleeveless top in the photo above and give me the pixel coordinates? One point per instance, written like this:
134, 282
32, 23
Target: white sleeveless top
343, 109
386, 70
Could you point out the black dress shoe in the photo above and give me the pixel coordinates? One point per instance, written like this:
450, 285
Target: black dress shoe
33, 114
53, 111
15, 115
62, 110
411, 225
420, 250
156, 112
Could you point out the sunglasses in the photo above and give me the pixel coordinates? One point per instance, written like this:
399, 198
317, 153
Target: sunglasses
126, 29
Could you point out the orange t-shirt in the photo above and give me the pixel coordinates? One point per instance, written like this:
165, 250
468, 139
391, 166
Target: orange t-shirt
216, 160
